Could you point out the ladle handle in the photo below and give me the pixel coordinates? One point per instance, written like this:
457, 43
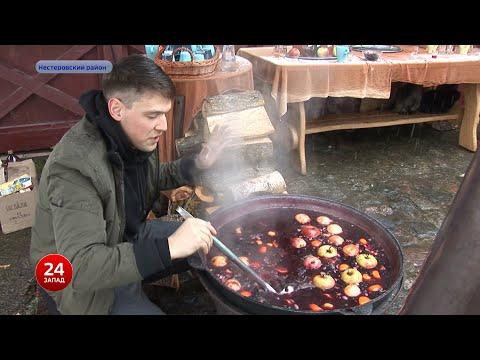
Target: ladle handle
231, 255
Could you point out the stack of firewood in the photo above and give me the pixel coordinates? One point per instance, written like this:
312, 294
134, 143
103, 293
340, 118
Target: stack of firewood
246, 166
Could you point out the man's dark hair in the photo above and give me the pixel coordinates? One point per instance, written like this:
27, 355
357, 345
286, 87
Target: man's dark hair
133, 76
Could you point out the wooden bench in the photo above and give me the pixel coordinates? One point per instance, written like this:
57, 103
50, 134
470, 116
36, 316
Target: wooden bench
469, 117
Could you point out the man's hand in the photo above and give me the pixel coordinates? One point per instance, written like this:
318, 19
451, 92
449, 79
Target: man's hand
219, 138
194, 234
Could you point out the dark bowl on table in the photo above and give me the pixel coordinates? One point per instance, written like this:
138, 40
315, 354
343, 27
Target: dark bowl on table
371, 55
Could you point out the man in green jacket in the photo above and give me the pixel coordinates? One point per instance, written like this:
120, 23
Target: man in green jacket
100, 182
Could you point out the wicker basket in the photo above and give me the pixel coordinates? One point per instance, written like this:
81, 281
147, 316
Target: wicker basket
187, 68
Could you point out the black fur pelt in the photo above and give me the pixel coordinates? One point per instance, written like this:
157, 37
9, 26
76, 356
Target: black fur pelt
439, 100
408, 98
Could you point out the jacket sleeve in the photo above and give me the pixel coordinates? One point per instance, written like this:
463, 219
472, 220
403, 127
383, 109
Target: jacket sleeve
80, 233
151, 249
177, 173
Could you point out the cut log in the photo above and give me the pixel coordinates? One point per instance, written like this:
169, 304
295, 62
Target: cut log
200, 125
181, 193
217, 179
247, 153
203, 194
248, 124
272, 183
188, 145
221, 104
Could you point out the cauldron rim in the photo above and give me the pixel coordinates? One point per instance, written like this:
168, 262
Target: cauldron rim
358, 309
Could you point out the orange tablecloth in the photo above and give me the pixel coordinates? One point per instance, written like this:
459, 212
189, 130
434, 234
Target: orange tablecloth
195, 91
294, 80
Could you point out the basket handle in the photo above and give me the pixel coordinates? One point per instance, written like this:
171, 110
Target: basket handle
183, 49
218, 51
161, 49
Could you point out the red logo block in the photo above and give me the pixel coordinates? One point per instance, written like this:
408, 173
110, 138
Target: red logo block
54, 272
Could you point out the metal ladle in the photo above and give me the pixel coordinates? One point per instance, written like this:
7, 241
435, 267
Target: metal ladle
231, 255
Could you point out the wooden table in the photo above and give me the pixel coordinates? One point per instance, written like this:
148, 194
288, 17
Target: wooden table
362, 79
190, 93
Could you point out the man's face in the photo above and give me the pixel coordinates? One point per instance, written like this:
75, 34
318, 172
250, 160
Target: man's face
144, 121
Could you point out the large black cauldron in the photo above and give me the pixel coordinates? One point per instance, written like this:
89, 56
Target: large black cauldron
229, 301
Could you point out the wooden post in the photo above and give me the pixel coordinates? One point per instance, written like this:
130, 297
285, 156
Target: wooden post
301, 137
468, 129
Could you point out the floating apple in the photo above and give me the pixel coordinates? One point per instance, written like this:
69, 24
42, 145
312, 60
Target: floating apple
262, 249
351, 250
336, 240
298, 242
328, 306
352, 290
323, 281
271, 233
302, 218
294, 52
334, 229
375, 288
363, 300
238, 230
246, 293
233, 284
312, 262
322, 52
316, 243
219, 261
315, 307
366, 261
327, 251
351, 276
324, 220
310, 231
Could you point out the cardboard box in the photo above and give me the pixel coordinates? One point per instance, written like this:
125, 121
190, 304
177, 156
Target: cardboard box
17, 211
